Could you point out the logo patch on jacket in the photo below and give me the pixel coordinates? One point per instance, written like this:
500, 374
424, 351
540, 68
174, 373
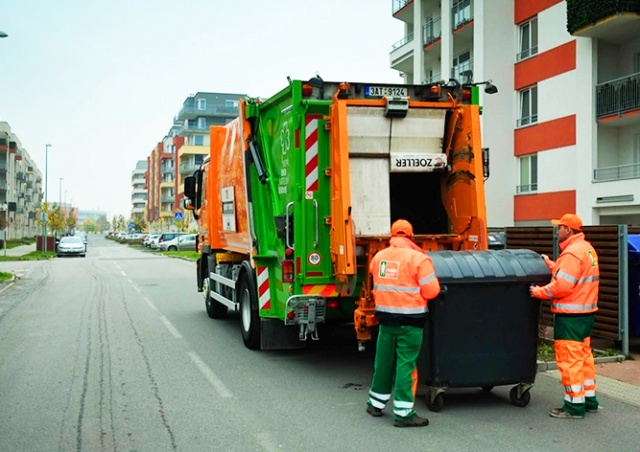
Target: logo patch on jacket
389, 269
594, 259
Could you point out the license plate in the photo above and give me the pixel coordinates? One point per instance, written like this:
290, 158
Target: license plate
389, 91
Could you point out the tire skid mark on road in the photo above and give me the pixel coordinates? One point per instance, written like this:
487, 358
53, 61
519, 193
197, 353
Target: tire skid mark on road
152, 380
6, 310
85, 381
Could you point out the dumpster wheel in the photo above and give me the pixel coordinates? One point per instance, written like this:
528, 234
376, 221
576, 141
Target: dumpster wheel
435, 399
520, 396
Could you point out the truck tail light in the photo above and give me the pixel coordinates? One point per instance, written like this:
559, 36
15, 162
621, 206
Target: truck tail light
332, 304
287, 271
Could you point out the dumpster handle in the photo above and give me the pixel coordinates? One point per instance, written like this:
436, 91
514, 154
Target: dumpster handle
444, 290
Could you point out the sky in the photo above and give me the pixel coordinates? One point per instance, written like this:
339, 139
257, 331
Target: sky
102, 80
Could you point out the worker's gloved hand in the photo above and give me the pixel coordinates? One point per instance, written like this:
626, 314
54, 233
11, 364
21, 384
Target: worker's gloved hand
536, 291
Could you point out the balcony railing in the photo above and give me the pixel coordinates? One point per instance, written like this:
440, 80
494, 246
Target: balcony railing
530, 188
406, 40
3, 165
188, 167
618, 96
527, 53
620, 172
525, 121
461, 13
436, 77
397, 5
463, 70
584, 13
167, 198
167, 170
431, 31
3, 186
191, 111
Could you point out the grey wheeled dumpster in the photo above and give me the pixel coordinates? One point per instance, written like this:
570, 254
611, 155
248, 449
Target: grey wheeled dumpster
482, 330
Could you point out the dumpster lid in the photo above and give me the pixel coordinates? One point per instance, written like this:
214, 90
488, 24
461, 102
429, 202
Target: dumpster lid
634, 242
493, 265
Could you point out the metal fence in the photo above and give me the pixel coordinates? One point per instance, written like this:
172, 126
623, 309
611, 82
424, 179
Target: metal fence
610, 242
618, 96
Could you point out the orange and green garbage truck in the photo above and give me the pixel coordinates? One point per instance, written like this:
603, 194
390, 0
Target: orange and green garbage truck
299, 191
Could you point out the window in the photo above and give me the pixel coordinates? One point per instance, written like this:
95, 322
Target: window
231, 103
461, 13
198, 140
197, 159
463, 67
202, 123
202, 104
528, 106
528, 174
528, 39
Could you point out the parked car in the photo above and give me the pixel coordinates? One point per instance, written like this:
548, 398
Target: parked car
180, 243
150, 238
165, 236
71, 246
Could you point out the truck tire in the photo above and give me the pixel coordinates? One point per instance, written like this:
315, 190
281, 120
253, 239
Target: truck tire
249, 317
215, 309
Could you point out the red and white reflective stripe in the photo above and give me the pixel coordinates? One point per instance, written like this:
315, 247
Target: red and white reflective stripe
311, 153
264, 296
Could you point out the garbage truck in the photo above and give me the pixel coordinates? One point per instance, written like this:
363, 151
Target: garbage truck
299, 191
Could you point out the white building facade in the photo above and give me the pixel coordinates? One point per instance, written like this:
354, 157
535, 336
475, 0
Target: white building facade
564, 128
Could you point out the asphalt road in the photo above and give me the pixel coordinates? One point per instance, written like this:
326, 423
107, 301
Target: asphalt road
115, 352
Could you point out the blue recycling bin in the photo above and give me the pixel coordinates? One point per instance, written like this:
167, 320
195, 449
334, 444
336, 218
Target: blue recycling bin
633, 241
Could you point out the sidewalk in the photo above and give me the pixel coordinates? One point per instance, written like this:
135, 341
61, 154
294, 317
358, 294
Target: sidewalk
18, 250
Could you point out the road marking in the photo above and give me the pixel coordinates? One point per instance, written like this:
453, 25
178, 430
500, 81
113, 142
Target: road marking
9, 285
219, 386
151, 305
123, 273
172, 329
137, 289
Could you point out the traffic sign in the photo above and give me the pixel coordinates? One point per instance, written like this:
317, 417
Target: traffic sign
177, 216
131, 224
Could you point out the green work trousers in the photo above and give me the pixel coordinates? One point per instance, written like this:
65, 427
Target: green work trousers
395, 367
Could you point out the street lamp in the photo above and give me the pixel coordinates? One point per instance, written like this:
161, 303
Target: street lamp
60, 201
46, 199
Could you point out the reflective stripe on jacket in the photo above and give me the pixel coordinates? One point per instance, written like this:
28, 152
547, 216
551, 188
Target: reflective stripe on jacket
403, 279
576, 275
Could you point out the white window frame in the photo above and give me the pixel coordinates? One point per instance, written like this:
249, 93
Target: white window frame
201, 104
461, 13
202, 123
528, 106
527, 39
527, 174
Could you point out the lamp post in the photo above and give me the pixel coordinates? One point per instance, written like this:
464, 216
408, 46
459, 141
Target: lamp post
46, 199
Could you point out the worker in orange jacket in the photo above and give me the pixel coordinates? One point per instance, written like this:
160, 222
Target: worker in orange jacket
573, 292
403, 282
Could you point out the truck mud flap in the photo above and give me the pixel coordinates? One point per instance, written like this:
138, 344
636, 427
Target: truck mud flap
274, 335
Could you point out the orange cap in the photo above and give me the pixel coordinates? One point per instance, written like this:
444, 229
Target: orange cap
569, 219
401, 227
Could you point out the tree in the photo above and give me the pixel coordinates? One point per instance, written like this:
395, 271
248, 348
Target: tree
56, 220
43, 209
102, 223
139, 224
88, 225
120, 224
3, 220
71, 221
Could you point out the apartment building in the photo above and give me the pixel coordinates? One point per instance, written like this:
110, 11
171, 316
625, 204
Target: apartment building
198, 113
138, 192
20, 187
183, 149
564, 129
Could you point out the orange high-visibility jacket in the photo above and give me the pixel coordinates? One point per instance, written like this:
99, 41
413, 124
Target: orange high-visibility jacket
403, 281
574, 286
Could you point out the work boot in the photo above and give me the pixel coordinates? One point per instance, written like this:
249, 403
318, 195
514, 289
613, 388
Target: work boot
560, 413
411, 421
593, 410
373, 411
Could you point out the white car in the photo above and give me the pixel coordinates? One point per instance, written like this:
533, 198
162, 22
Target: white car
71, 246
150, 238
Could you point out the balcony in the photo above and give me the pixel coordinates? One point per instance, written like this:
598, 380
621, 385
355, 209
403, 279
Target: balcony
167, 198
435, 77
461, 14
616, 97
3, 186
615, 21
402, 10
188, 167
167, 170
3, 165
463, 71
431, 31
192, 112
621, 172
21, 176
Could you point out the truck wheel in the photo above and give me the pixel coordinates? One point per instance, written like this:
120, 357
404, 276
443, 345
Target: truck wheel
249, 318
215, 309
